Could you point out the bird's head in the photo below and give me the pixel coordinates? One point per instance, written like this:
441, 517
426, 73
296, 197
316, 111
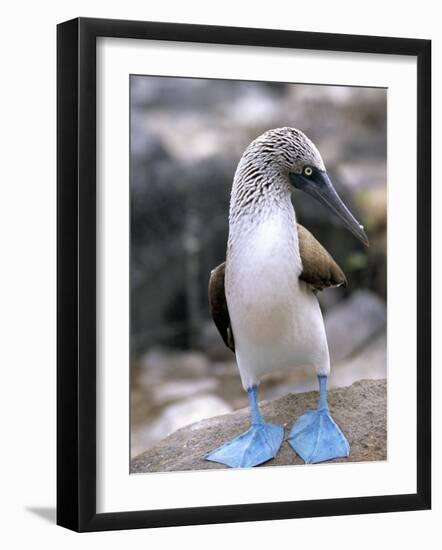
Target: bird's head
298, 159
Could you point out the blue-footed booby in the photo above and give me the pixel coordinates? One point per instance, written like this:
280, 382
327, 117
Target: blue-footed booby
263, 297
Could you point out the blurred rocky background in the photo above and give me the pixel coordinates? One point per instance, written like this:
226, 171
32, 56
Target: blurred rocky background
187, 136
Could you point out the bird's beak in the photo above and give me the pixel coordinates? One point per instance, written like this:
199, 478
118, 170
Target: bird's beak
319, 186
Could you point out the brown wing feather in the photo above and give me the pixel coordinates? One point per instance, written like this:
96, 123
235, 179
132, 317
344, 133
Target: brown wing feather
319, 268
218, 305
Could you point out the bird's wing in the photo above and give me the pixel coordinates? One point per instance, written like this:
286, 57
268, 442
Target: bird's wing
218, 305
319, 269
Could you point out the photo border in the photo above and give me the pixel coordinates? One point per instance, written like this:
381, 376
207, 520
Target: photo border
76, 273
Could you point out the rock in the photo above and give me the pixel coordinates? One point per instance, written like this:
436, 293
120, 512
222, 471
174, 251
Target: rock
255, 105
373, 205
354, 322
370, 362
182, 389
360, 410
189, 411
211, 342
363, 175
146, 146
328, 300
159, 364
175, 416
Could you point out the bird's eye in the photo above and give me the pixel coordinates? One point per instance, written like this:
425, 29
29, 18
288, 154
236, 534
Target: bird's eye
308, 171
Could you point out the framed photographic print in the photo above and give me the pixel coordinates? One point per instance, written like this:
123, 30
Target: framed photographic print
243, 274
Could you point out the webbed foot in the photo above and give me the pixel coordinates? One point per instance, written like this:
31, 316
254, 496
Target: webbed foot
257, 445
316, 437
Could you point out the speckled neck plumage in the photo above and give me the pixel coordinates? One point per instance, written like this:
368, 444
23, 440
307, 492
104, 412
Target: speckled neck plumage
254, 202
260, 191
256, 193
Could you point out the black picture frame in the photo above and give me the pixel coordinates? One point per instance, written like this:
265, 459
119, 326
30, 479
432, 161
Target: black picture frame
76, 273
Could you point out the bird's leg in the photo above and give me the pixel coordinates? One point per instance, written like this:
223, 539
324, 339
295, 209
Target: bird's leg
315, 436
255, 413
258, 444
322, 403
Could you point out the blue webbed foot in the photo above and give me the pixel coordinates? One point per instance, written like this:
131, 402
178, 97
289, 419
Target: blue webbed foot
316, 437
257, 445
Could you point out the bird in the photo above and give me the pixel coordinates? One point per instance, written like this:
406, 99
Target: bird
263, 298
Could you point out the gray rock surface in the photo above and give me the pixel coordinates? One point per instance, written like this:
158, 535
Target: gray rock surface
354, 322
360, 410
159, 365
